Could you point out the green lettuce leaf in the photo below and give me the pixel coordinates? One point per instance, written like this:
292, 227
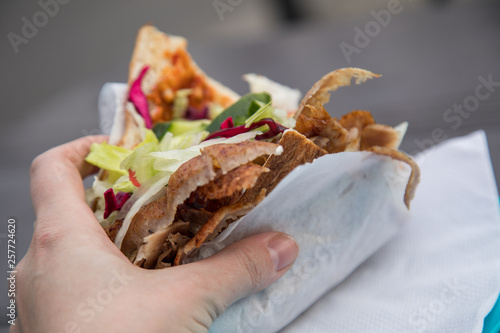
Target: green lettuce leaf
264, 111
107, 157
238, 110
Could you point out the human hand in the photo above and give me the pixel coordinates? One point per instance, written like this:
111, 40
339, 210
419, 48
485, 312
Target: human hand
74, 279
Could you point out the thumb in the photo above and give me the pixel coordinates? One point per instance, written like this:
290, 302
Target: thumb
244, 268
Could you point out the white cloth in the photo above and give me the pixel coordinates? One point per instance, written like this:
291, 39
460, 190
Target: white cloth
442, 273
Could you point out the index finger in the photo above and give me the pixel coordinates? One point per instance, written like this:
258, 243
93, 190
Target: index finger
56, 178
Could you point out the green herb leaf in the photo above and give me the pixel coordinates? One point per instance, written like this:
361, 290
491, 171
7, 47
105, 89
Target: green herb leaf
254, 107
180, 127
239, 109
160, 129
264, 111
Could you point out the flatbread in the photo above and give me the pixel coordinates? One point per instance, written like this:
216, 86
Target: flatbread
171, 68
319, 94
160, 52
414, 179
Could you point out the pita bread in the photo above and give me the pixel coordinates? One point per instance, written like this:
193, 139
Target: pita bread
414, 179
171, 68
160, 52
319, 94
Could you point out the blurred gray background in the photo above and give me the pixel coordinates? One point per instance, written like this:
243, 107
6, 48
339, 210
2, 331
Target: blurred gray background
431, 54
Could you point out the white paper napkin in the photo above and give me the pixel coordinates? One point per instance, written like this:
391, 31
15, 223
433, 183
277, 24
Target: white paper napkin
111, 110
442, 273
340, 209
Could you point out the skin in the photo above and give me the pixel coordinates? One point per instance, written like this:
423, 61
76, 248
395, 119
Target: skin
74, 279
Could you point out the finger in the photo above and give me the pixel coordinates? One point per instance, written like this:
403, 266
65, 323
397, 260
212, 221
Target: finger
243, 268
56, 177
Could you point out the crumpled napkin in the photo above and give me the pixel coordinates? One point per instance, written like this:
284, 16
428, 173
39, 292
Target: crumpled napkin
340, 209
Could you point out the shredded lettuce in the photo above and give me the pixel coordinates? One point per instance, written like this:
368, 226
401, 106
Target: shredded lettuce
107, 157
282, 117
123, 184
171, 160
149, 137
264, 111
140, 163
283, 97
238, 110
180, 127
181, 102
250, 109
214, 110
268, 111
125, 167
184, 127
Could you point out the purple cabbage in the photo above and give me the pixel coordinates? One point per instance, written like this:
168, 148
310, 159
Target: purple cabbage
138, 98
228, 123
195, 114
114, 202
274, 129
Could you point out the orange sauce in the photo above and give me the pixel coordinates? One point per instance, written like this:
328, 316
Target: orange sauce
181, 75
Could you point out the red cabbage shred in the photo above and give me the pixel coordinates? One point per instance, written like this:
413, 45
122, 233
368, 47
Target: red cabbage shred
274, 129
114, 202
138, 98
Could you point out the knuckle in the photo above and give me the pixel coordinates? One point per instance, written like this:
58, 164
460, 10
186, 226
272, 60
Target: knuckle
46, 238
36, 164
252, 265
41, 161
